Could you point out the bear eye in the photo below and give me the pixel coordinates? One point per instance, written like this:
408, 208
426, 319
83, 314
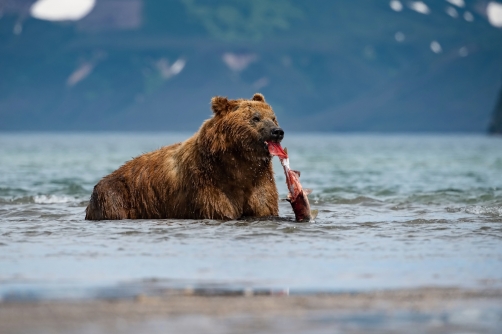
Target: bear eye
256, 119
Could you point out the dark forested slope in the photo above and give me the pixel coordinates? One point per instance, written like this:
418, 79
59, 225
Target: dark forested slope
324, 65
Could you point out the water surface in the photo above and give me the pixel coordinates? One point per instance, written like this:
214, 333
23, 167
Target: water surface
394, 212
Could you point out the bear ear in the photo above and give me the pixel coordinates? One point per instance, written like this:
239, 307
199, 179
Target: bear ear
258, 97
220, 105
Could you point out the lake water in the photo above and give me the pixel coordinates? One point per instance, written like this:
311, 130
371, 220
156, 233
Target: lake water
395, 211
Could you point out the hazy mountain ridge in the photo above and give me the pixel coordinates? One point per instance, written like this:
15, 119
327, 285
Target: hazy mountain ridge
332, 66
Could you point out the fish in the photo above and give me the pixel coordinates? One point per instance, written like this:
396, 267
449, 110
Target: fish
297, 196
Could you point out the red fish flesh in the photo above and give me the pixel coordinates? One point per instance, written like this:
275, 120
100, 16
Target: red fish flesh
297, 195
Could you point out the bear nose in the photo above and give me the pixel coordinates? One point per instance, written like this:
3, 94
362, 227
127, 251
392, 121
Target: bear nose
277, 133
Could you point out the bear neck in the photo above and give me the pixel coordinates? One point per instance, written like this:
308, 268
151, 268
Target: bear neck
236, 167
224, 158
231, 168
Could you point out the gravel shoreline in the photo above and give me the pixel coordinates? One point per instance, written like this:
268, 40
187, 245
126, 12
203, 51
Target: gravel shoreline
430, 310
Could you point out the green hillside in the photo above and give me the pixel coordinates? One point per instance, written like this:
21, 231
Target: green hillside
323, 65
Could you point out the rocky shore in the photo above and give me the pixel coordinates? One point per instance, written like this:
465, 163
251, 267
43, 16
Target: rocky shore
431, 310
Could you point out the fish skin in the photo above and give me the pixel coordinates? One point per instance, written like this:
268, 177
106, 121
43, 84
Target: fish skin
297, 195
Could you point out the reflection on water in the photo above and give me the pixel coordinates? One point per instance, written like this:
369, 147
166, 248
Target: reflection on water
394, 212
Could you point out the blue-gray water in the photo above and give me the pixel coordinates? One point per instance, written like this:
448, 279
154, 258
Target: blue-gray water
395, 211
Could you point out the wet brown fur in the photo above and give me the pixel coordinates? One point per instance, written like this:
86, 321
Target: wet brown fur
224, 171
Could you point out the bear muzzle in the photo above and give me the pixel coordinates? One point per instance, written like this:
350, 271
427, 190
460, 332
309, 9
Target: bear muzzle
276, 134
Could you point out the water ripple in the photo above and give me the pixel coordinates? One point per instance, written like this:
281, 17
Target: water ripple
393, 212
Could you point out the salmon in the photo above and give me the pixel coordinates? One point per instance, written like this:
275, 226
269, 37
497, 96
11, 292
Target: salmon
297, 195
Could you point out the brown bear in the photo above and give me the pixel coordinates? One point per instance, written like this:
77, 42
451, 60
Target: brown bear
224, 171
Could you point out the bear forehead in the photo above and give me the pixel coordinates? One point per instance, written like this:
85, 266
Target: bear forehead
252, 107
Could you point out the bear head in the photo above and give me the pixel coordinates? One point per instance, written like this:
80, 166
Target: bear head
242, 125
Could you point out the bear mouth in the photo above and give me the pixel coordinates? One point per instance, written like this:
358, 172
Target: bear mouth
265, 145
